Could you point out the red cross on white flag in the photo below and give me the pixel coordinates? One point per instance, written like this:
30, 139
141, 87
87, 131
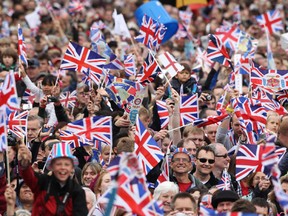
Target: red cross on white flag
170, 64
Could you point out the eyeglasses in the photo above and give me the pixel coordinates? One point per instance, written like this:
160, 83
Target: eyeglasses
204, 160
184, 160
224, 156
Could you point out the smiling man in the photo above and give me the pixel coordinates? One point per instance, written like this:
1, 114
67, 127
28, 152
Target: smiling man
205, 160
181, 165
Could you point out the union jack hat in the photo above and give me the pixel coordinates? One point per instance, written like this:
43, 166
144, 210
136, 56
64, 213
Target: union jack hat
61, 150
180, 150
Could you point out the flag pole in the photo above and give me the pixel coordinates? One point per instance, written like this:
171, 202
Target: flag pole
7, 158
180, 127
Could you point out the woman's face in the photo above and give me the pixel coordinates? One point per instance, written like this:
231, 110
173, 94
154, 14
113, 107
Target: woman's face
88, 176
257, 178
106, 153
47, 89
165, 143
106, 182
166, 199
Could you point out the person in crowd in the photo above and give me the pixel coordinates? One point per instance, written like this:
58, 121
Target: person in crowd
204, 162
165, 192
196, 134
261, 205
181, 165
56, 194
8, 61
90, 198
89, 172
243, 205
185, 203
222, 201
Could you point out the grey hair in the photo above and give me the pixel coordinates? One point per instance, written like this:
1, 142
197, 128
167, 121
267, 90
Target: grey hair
36, 117
165, 187
214, 146
88, 190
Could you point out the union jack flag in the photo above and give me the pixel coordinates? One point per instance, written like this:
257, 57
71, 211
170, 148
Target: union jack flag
229, 35
185, 17
98, 25
21, 46
114, 64
93, 128
146, 148
73, 139
272, 20
188, 108
90, 77
282, 96
163, 113
129, 65
149, 69
251, 115
159, 35
3, 132
75, 6
224, 182
164, 176
209, 120
270, 80
114, 167
28, 96
78, 58
68, 99
17, 123
281, 196
8, 94
254, 158
147, 31
202, 60
96, 35
217, 52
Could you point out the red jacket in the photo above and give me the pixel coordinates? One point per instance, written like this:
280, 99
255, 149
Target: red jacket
45, 205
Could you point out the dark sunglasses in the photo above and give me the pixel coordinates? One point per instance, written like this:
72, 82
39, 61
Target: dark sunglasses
224, 156
204, 160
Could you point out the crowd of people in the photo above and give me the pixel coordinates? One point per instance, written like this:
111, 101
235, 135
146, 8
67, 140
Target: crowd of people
48, 177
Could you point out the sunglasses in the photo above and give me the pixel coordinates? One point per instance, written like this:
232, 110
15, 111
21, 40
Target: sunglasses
204, 160
224, 156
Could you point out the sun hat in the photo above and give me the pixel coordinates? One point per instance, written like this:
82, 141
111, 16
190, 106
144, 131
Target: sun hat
61, 150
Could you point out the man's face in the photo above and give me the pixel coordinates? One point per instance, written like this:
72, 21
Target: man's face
82, 96
26, 194
224, 206
205, 162
190, 147
221, 158
181, 163
236, 125
33, 72
211, 104
184, 204
66, 81
198, 139
211, 130
44, 66
32, 129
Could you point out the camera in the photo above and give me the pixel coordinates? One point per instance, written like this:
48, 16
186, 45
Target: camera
11, 139
52, 99
208, 97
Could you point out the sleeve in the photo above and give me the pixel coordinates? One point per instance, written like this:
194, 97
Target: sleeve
61, 114
51, 114
209, 79
79, 203
221, 137
2, 188
283, 164
156, 125
30, 178
33, 88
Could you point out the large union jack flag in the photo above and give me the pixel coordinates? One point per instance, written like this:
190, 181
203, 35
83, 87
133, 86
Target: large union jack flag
68, 99
209, 120
17, 123
217, 52
129, 65
93, 128
78, 58
147, 31
159, 35
271, 80
146, 148
8, 94
229, 35
73, 139
254, 158
21, 46
188, 108
163, 113
272, 20
3, 133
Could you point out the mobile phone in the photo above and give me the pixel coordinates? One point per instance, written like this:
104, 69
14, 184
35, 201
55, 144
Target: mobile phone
41, 164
